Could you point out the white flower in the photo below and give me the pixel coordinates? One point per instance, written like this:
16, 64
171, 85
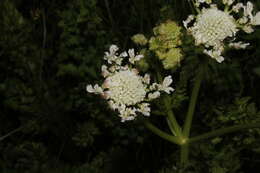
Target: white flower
147, 79
239, 45
198, 2
127, 114
125, 90
188, 20
228, 2
155, 95
126, 87
215, 54
165, 85
248, 29
237, 7
256, 19
104, 70
213, 27
243, 20
133, 58
248, 9
112, 105
145, 109
96, 89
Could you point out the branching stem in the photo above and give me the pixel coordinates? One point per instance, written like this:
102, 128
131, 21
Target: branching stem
189, 116
171, 117
193, 101
162, 134
223, 131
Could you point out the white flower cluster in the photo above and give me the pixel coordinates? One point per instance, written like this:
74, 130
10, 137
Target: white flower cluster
125, 90
212, 26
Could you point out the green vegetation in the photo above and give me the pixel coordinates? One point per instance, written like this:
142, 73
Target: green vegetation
50, 50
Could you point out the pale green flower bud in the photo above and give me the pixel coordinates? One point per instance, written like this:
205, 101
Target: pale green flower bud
165, 42
173, 58
139, 39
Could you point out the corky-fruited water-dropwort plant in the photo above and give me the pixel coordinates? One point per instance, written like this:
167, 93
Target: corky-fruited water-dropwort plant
129, 93
124, 88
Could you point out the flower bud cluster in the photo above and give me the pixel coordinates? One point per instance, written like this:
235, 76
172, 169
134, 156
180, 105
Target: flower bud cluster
124, 88
212, 26
166, 44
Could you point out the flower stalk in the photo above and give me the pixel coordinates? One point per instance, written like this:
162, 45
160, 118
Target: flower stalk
171, 117
189, 116
162, 134
192, 104
223, 131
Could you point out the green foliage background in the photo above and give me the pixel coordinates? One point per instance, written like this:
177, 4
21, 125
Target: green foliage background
50, 50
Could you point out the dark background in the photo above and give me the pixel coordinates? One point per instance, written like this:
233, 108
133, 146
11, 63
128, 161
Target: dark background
50, 50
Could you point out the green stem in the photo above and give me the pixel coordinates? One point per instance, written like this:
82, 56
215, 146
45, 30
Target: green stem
193, 101
11, 133
223, 131
161, 133
188, 121
171, 117
184, 154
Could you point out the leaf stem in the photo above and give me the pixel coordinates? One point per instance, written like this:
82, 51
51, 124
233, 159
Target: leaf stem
171, 117
223, 131
162, 134
193, 101
188, 121
11, 133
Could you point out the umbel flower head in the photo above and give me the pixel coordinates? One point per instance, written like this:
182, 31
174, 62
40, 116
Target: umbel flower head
124, 88
212, 26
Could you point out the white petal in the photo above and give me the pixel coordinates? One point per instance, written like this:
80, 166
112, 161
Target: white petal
237, 7
154, 86
220, 59
188, 20
167, 81
228, 2
249, 8
90, 89
154, 95
127, 114
131, 53
168, 90
123, 54
138, 57
256, 19
104, 70
112, 105
98, 89
145, 109
248, 29
113, 48
238, 45
146, 78
132, 60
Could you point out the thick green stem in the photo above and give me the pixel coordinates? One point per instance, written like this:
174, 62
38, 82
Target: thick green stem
184, 154
188, 121
223, 131
171, 117
192, 105
162, 134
